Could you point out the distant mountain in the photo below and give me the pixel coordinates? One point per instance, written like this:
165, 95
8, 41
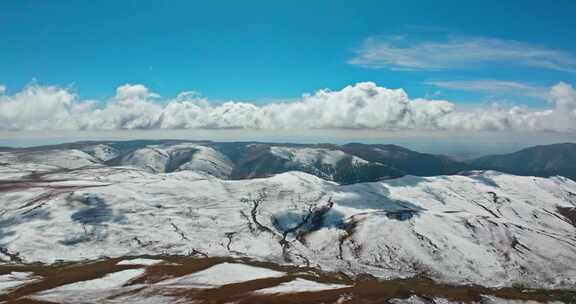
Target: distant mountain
325, 161
345, 164
408, 161
547, 160
167, 158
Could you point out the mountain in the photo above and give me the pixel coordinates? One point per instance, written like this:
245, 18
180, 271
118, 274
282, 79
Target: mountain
485, 228
408, 161
345, 164
546, 160
325, 161
166, 158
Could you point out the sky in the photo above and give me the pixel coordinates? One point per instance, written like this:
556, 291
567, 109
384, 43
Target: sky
379, 65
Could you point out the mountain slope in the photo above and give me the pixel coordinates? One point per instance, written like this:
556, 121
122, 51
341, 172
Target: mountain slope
324, 161
408, 161
171, 158
547, 160
486, 228
345, 164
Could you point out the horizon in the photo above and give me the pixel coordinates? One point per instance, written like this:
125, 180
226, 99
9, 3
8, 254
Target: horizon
456, 145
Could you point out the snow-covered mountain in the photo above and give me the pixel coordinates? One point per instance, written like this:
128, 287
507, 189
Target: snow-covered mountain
345, 164
178, 157
61, 158
102, 152
325, 161
486, 228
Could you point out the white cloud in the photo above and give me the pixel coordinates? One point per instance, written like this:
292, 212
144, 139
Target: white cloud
40, 107
134, 91
2, 89
458, 53
494, 87
360, 106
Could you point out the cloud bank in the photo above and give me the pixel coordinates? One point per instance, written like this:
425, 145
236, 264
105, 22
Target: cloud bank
397, 53
361, 106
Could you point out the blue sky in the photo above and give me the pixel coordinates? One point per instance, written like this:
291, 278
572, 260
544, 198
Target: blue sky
265, 50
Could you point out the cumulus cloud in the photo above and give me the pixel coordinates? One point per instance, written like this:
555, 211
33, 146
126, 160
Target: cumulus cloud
133, 92
2, 89
457, 52
361, 106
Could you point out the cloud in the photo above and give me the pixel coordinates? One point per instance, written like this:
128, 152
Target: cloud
2, 89
494, 87
134, 91
361, 106
397, 53
41, 107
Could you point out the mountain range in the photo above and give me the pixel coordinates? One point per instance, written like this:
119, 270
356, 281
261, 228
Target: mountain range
547, 160
366, 212
345, 164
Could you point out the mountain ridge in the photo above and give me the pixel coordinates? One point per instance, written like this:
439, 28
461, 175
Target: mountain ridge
487, 228
541, 160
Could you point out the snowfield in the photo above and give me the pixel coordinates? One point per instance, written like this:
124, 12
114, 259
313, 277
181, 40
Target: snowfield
300, 285
91, 291
310, 156
222, 274
486, 228
15, 279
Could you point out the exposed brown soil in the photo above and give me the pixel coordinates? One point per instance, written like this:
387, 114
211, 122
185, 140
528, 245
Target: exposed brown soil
362, 290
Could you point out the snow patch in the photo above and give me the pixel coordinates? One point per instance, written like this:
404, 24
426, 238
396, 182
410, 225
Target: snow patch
92, 290
300, 285
15, 279
140, 261
222, 274
311, 156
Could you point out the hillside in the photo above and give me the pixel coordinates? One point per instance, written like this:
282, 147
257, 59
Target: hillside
546, 160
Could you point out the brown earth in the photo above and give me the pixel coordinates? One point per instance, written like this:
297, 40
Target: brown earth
363, 289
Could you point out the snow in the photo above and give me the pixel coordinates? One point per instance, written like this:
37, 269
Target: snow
222, 274
61, 158
488, 228
496, 300
140, 261
420, 300
90, 291
150, 158
186, 156
15, 279
15, 171
209, 161
300, 285
140, 298
310, 156
102, 152
411, 300
485, 300
113, 280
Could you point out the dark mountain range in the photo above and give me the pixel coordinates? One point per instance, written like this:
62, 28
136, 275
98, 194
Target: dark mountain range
547, 160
